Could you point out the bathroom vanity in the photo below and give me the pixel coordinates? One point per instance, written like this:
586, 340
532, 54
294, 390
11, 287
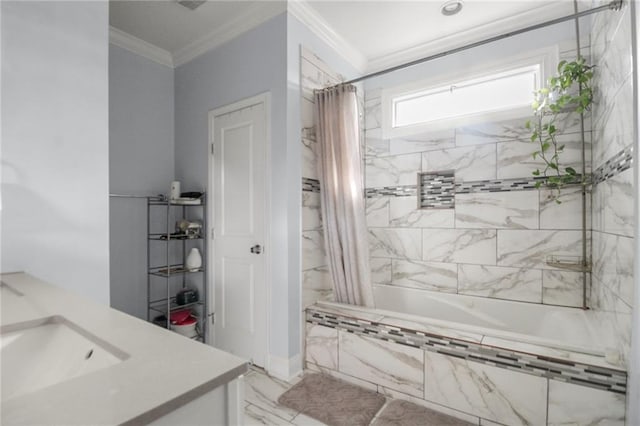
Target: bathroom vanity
67, 360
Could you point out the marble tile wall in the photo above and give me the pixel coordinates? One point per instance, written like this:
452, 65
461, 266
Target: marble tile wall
457, 383
566, 405
613, 191
400, 336
500, 226
480, 392
316, 281
493, 239
394, 366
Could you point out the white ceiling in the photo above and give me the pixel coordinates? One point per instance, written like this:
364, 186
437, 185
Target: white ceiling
380, 29
177, 29
383, 33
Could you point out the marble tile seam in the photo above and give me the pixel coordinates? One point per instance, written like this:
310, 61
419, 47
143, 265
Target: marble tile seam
613, 234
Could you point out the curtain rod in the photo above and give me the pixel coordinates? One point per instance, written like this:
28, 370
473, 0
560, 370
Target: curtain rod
613, 5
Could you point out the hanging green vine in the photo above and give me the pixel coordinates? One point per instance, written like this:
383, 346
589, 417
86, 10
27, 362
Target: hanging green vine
569, 91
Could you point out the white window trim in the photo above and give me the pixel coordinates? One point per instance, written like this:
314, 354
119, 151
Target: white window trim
547, 58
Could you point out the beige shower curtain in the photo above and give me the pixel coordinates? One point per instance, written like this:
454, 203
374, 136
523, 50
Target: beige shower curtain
342, 195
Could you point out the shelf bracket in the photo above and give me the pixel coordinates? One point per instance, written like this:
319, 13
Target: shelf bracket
571, 263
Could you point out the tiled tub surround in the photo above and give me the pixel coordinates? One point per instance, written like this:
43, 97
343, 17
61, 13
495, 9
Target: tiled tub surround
495, 238
497, 225
443, 184
489, 235
316, 282
613, 230
464, 373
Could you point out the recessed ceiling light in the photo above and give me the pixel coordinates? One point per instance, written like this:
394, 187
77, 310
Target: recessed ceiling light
451, 7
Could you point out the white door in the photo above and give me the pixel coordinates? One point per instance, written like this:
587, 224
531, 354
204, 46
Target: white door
237, 172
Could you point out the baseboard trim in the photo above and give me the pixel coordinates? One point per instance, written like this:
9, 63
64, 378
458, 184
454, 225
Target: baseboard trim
284, 368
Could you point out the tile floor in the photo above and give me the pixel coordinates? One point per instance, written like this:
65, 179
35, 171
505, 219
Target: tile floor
261, 395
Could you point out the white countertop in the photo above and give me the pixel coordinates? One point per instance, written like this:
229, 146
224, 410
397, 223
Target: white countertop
162, 371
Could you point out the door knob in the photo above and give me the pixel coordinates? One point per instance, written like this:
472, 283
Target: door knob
257, 249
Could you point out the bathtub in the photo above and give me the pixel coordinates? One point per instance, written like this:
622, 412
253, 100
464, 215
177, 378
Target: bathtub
571, 329
480, 319
472, 357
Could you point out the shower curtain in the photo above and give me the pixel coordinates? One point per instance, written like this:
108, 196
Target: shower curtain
342, 195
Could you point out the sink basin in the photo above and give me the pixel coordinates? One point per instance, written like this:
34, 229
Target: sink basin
42, 353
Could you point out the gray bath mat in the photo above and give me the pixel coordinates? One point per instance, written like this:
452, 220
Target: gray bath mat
332, 401
403, 413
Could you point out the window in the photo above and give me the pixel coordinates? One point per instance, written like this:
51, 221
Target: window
502, 92
494, 93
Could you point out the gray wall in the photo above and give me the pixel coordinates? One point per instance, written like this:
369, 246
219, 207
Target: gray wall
141, 162
253, 63
55, 136
248, 65
263, 59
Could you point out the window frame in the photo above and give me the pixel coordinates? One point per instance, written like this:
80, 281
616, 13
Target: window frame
546, 59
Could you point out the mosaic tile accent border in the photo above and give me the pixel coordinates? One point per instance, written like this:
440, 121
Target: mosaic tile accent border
395, 191
494, 185
497, 185
607, 379
444, 199
613, 166
437, 189
310, 185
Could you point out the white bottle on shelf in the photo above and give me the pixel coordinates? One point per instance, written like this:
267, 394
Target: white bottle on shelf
194, 260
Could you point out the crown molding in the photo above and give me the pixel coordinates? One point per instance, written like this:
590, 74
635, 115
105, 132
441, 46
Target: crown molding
320, 27
480, 32
140, 47
230, 30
